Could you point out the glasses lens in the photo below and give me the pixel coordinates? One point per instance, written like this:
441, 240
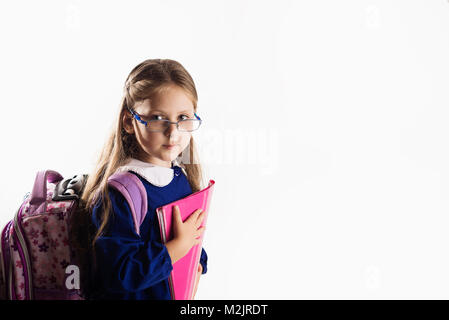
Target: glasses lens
189, 124
157, 125
184, 125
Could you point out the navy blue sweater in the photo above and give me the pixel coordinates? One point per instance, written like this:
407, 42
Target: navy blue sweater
130, 266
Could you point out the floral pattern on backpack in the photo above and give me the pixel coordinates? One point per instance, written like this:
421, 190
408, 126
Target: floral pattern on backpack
48, 242
35, 245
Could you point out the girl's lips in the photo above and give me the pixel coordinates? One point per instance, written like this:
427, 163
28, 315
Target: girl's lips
169, 146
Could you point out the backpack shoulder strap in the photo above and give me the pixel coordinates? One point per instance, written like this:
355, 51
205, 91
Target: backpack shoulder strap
130, 186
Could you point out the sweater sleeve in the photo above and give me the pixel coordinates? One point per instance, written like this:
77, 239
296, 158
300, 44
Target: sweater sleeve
203, 260
124, 260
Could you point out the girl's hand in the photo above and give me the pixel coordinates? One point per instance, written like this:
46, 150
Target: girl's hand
185, 234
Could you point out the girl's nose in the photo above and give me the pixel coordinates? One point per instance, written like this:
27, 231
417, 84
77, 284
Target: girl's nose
171, 129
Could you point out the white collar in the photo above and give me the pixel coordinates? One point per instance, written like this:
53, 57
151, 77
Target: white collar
156, 175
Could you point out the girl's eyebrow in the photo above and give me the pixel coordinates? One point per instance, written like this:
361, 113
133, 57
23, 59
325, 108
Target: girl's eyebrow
184, 111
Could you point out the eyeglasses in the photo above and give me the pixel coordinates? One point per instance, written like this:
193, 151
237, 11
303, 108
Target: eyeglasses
186, 125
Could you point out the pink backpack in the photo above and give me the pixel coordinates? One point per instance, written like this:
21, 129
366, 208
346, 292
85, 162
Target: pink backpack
37, 258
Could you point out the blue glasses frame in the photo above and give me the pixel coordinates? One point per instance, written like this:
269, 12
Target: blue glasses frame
138, 118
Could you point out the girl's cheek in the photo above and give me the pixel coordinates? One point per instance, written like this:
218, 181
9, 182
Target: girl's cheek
153, 136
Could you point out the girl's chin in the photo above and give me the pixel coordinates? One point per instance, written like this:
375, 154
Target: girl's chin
168, 156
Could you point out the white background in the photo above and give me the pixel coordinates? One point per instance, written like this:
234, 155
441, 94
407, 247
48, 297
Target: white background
325, 129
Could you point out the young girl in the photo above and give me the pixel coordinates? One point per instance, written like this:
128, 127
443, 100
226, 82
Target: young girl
154, 127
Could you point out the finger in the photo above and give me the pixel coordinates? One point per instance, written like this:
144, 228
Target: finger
177, 214
199, 221
199, 232
201, 229
194, 215
198, 225
200, 218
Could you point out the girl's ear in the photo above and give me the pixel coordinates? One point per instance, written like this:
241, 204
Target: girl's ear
127, 122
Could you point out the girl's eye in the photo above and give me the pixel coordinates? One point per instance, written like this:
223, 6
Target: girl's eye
154, 117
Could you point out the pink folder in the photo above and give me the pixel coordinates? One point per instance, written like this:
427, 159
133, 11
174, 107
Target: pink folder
183, 276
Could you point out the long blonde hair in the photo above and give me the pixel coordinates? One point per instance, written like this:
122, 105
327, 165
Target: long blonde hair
145, 81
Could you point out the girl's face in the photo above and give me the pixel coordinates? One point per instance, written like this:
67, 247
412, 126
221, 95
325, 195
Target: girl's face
174, 105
